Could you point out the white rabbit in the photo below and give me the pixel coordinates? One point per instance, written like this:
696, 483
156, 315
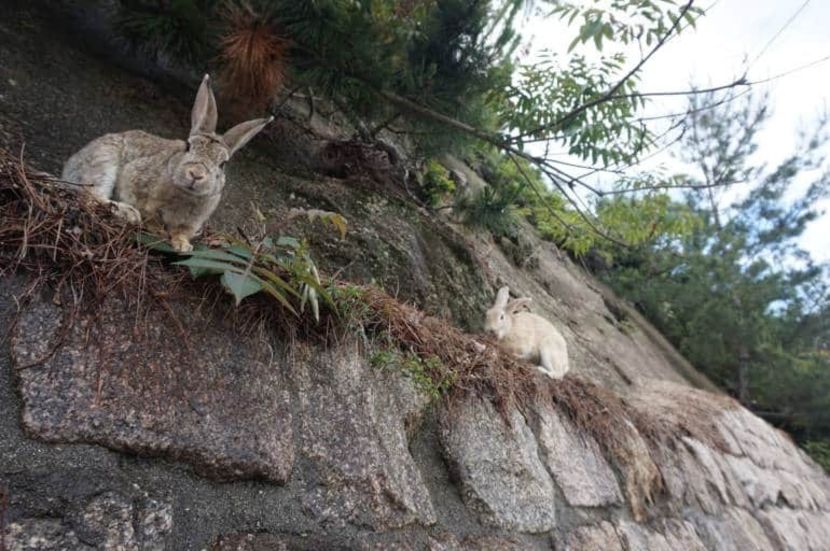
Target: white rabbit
173, 183
527, 335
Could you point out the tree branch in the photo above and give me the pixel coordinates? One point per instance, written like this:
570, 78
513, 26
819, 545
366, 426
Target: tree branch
671, 186
611, 93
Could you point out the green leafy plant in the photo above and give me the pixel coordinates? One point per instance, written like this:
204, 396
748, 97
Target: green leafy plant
519, 190
280, 268
437, 182
624, 21
493, 210
537, 107
351, 304
278, 265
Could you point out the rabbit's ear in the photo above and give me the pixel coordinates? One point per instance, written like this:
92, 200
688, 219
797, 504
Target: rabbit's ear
204, 114
502, 296
242, 133
516, 305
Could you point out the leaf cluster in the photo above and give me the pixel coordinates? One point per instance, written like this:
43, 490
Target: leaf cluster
536, 108
622, 21
280, 268
518, 189
176, 29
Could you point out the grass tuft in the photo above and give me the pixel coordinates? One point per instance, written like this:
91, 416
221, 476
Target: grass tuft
77, 246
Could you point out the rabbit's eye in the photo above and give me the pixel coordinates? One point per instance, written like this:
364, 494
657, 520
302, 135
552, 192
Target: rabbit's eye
187, 146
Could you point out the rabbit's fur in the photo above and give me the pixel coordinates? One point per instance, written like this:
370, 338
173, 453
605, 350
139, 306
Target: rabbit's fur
527, 335
176, 184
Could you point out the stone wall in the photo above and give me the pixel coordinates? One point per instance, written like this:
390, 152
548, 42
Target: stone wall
116, 437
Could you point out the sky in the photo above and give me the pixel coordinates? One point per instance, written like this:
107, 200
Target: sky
716, 52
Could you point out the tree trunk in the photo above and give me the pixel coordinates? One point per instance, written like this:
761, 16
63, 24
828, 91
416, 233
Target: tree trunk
743, 375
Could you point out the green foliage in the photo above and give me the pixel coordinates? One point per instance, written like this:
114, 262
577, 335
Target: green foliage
281, 268
736, 294
493, 210
429, 375
457, 59
520, 190
819, 450
454, 57
645, 219
537, 107
350, 305
432, 52
176, 28
624, 21
437, 182
545, 101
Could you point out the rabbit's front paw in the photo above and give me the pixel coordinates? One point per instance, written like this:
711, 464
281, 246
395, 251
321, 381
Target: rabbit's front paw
181, 244
545, 371
126, 212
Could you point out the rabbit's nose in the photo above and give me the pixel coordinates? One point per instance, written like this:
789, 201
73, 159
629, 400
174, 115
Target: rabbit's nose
196, 173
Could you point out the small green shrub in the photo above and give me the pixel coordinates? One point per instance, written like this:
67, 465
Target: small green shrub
429, 375
280, 268
438, 185
350, 304
492, 209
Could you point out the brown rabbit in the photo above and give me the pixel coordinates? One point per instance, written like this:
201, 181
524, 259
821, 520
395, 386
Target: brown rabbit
174, 183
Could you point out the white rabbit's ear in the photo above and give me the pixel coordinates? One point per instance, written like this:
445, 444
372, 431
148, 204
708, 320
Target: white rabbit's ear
502, 296
242, 133
204, 115
515, 305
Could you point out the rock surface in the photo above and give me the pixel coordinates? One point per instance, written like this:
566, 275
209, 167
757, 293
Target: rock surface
575, 460
353, 427
340, 457
502, 477
154, 390
107, 521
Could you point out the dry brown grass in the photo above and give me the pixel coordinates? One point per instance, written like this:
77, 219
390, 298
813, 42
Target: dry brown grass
673, 411
77, 246
479, 366
253, 56
80, 248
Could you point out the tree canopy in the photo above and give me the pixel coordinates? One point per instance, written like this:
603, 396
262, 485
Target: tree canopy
737, 295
